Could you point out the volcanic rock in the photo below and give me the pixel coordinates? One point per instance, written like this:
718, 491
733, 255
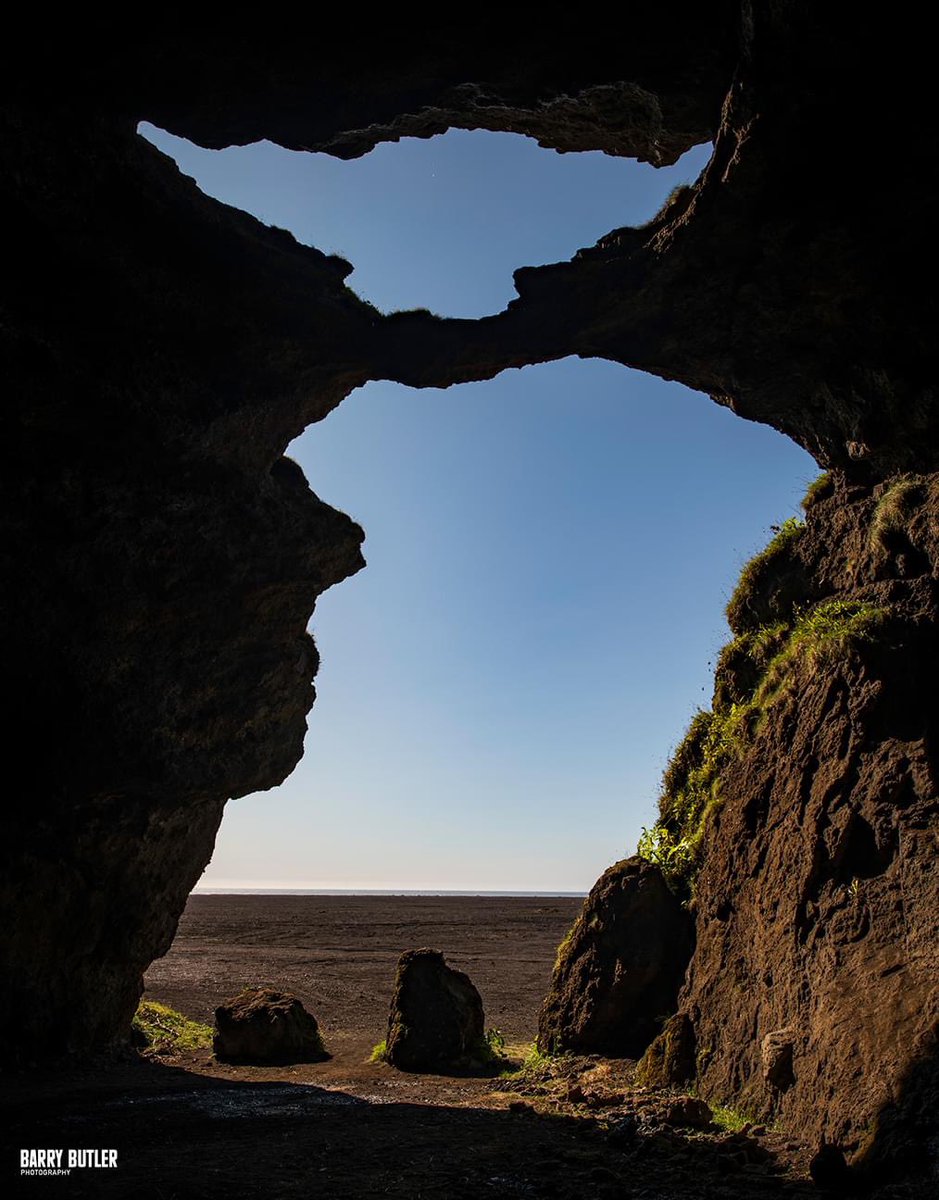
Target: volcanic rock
261, 1025
670, 1059
815, 981
776, 1053
619, 969
436, 1022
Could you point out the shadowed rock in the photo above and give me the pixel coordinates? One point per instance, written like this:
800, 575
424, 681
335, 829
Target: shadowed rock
436, 1019
261, 1025
670, 1059
619, 969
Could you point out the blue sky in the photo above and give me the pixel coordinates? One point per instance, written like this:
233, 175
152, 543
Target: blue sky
549, 553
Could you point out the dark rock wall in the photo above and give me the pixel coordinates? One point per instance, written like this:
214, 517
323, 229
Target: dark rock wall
814, 990
162, 558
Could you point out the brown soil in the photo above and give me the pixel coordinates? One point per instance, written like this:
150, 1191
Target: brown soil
191, 1127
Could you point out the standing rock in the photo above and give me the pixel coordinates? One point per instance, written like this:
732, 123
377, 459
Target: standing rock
436, 1019
619, 969
261, 1025
670, 1060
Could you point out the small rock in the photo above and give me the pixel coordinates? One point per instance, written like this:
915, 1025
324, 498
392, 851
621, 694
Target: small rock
829, 1169
688, 1111
624, 1131
670, 1059
261, 1025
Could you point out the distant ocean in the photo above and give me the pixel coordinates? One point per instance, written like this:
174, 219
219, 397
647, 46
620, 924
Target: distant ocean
209, 891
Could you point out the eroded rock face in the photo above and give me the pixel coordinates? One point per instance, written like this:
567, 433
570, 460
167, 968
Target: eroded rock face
814, 988
262, 1025
619, 969
436, 1021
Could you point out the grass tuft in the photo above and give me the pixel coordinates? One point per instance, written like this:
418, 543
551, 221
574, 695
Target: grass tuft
744, 607
729, 1118
164, 1031
894, 510
818, 489
380, 1052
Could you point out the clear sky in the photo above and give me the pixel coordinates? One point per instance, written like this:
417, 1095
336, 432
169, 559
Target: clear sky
549, 553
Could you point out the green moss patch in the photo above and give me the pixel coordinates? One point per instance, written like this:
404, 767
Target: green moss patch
894, 511
818, 489
162, 1030
753, 604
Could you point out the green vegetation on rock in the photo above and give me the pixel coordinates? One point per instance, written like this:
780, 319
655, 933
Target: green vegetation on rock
165, 1031
818, 489
894, 510
754, 671
745, 605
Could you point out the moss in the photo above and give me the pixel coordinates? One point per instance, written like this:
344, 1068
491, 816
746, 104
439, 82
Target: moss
690, 793
165, 1031
820, 636
818, 489
743, 662
754, 671
893, 512
753, 603
564, 946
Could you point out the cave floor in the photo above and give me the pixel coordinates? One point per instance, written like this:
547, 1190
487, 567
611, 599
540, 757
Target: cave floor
187, 1126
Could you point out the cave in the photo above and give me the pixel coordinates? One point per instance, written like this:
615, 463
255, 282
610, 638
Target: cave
162, 351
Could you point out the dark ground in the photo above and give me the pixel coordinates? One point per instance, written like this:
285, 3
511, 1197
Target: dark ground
347, 1128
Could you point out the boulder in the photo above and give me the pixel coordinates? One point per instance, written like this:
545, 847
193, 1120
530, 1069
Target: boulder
261, 1025
436, 1020
619, 969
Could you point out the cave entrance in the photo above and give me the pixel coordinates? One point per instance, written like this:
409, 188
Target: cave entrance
549, 552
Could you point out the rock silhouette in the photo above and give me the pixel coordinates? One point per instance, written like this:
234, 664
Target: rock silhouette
436, 1021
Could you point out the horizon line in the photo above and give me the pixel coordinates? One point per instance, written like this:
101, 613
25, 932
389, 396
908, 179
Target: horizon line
210, 890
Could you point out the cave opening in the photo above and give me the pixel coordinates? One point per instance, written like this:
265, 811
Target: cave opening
549, 552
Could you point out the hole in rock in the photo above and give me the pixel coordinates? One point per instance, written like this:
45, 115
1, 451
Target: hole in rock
438, 223
549, 553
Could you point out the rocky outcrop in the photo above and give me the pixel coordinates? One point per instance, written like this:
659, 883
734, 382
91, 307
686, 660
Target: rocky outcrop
262, 1025
619, 969
814, 987
436, 1021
